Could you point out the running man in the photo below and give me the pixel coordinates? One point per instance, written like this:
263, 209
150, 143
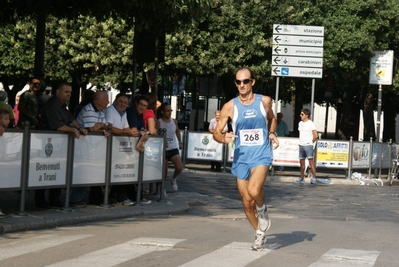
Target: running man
254, 126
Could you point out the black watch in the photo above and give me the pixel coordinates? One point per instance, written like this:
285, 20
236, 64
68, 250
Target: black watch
273, 133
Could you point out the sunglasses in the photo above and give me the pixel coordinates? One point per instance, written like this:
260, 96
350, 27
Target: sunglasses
36, 83
245, 81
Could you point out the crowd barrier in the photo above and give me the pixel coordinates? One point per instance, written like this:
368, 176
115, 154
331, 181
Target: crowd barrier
31, 159
348, 155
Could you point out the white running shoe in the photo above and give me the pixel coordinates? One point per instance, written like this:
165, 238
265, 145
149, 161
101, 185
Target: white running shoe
174, 184
264, 222
313, 181
260, 240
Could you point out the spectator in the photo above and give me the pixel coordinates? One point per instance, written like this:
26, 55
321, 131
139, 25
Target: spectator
56, 117
172, 148
282, 130
307, 137
212, 127
4, 120
116, 119
28, 106
4, 105
282, 127
15, 109
92, 118
149, 114
136, 123
87, 97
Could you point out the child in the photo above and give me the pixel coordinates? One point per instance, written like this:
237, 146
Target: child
4, 122
4, 118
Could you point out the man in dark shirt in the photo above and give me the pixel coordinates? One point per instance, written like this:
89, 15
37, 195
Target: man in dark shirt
56, 117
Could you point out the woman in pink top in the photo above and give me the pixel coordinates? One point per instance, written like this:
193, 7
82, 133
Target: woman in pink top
149, 113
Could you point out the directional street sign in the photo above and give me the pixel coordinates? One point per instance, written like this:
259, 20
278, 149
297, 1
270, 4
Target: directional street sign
297, 72
304, 51
298, 30
297, 51
298, 40
381, 67
298, 61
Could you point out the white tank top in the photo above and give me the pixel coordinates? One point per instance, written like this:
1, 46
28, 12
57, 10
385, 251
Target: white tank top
170, 133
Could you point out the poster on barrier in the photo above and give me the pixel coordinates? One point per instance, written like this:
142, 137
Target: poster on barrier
230, 151
201, 146
287, 153
47, 161
386, 158
10, 160
125, 159
153, 159
361, 155
332, 154
89, 160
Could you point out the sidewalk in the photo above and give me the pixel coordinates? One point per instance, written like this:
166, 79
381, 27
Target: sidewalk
43, 219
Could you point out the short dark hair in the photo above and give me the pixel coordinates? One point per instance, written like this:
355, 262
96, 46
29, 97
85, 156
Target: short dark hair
34, 78
306, 111
120, 95
3, 112
142, 97
164, 104
61, 84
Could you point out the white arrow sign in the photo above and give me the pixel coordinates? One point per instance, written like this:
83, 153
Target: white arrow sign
298, 40
297, 72
297, 61
304, 51
298, 30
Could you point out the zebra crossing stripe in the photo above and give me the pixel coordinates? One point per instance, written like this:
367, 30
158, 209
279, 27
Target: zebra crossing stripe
347, 258
25, 246
234, 254
118, 254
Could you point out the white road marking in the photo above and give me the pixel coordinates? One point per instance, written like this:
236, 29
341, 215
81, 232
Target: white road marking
25, 246
234, 254
118, 254
347, 258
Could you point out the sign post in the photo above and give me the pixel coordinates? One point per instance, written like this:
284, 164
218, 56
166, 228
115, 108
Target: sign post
297, 52
381, 66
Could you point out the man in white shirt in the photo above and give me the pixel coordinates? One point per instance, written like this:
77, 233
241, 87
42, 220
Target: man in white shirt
307, 136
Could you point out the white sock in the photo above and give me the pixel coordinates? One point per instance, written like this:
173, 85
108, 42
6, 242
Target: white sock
260, 232
261, 208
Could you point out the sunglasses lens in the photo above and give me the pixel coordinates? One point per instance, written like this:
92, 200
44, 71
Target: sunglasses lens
246, 81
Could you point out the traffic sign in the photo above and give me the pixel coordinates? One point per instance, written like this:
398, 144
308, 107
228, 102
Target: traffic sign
297, 72
297, 61
381, 67
297, 51
298, 30
298, 40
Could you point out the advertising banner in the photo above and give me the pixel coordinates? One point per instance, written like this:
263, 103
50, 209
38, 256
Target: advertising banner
89, 160
287, 154
153, 159
125, 159
361, 155
10, 160
48, 159
332, 154
201, 146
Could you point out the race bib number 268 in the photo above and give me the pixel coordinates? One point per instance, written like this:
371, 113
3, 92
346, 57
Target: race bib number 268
251, 137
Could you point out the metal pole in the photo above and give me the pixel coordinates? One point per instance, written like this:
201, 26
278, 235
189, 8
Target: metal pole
312, 100
24, 169
108, 159
277, 91
379, 112
69, 168
350, 158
